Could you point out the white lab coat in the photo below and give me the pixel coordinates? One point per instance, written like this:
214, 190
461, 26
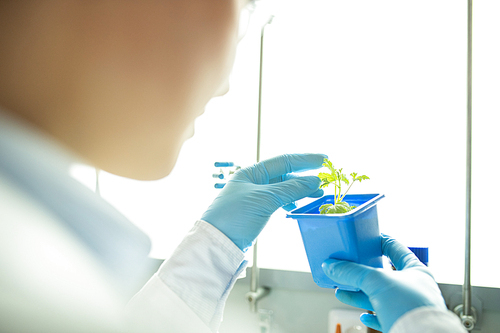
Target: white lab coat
69, 262
428, 320
193, 284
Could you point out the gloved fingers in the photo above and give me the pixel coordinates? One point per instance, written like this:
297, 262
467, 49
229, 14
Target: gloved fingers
348, 273
318, 194
295, 189
371, 321
289, 207
284, 178
401, 257
263, 172
357, 299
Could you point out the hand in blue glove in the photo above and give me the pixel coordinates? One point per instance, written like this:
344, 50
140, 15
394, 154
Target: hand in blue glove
389, 293
246, 203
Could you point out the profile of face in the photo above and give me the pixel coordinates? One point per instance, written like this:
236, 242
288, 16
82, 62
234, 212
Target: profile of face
119, 82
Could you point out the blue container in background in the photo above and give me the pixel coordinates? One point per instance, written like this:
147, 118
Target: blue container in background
352, 236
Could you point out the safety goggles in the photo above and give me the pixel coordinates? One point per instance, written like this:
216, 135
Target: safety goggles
245, 15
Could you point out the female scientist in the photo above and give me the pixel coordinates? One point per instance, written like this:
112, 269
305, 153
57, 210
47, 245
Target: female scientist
118, 85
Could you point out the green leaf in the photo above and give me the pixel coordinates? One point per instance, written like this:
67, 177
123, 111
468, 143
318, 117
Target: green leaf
355, 177
338, 208
336, 177
327, 163
360, 178
344, 179
326, 177
323, 209
343, 204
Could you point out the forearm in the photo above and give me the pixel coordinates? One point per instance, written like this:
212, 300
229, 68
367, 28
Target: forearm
201, 272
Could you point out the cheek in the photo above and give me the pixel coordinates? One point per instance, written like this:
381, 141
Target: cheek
154, 69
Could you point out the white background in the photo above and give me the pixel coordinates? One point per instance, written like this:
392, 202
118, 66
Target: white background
378, 86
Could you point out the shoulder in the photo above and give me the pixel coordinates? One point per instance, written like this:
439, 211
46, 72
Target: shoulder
48, 275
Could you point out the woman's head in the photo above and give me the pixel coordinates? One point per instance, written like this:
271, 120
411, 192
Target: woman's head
119, 82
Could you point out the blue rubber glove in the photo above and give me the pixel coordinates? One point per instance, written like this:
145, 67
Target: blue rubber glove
246, 203
390, 294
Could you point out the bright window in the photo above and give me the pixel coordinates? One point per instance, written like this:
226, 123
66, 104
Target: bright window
379, 86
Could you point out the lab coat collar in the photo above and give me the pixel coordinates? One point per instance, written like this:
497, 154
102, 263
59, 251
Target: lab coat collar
39, 166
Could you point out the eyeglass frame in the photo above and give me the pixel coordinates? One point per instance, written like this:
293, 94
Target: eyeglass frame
244, 19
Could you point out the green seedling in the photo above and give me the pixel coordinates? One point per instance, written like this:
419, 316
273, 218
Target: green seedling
336, 178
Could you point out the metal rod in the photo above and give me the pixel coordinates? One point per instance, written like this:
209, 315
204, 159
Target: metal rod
259, 114
254, 279
467, 310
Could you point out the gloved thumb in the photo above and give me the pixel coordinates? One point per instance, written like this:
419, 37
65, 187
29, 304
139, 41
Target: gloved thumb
371, 321
346, 272
294, 189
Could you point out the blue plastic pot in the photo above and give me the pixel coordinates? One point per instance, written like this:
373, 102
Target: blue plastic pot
352, 236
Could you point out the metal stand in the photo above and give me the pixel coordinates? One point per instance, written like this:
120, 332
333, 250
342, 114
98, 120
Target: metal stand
256, 292
465, 311
468, 321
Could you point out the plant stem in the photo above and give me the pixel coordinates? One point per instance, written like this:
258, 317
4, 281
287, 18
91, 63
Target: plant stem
342, 197
339, 188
